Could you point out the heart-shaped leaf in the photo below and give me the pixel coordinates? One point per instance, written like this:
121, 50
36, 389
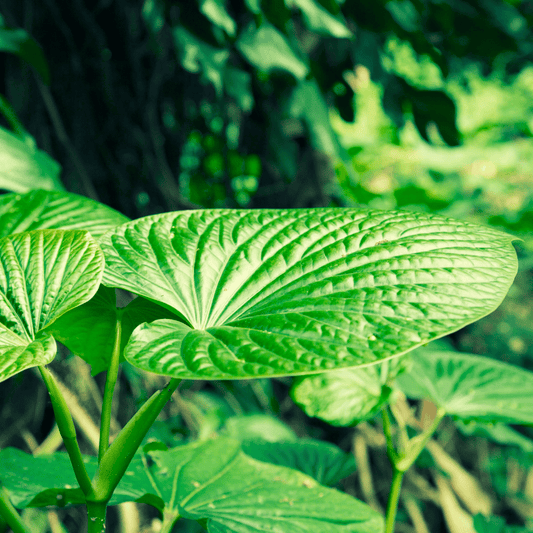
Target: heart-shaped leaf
346, 397
269, 292
41, 209
238, 494
323, 461
471, 387
43, 274
88, 330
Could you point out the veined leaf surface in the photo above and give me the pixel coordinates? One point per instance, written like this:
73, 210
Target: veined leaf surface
471, 387
41, 209
261, 293
346, 397
43, 274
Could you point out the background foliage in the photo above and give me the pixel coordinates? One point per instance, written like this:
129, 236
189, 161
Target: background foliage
414, 104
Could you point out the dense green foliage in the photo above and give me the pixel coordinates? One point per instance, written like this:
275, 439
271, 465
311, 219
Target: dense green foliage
161, 106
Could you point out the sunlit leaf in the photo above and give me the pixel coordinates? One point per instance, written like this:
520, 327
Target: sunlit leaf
323, 461
267, 49
319, 20
43, 274
258, 426
41, 209
215, 11
24, 167
346, 397
471, 387
261, 293
198, 56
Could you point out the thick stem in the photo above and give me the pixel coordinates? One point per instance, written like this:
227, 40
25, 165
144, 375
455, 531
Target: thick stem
394, 497
119, 455
111, 380
10, 514
96, 512
169, 520
68, 432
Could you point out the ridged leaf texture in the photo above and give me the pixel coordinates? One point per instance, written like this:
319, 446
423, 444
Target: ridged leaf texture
471, 387
43, 274
41, 209
261, 293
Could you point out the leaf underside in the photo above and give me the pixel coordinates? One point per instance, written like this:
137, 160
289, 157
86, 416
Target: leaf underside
40, 209
43, 274
261, 293
471, 387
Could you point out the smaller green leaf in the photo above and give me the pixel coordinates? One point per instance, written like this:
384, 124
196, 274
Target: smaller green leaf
237, 84
346, 397
40, 209
235, 493
500, 433
24, 167
43, 274
18, 41
267, 49
88, 330
324, 462
496, 524
198, 56
258, 426
215, 11
471, 387
319, 20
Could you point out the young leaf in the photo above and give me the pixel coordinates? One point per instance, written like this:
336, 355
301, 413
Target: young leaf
324, 462
41, 209
235, 493
261, 293
471, 387
88, 330
43, 274
346, 397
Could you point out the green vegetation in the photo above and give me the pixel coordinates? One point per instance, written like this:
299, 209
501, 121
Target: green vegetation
284, 277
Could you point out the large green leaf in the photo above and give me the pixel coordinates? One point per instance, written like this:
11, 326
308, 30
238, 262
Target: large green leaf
261, 293
43, 274
346, 397
40, 209
471, 387
88, 330
267, 49
323, 461
24, 167
237, 494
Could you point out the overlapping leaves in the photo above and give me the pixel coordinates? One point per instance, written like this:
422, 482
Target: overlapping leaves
269, 293
211, 481
43, 274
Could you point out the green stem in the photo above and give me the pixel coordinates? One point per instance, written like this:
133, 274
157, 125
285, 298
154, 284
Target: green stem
10, 514
68, 431
119, 455
14, 122
111, 380
96, 512
169, 520
394, 497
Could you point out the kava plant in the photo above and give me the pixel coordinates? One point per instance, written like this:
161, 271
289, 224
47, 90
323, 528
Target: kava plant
240, 294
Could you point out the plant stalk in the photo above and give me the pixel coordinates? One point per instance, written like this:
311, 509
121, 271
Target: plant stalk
394, 497
68, 432
10, 514
96, 512
119, 455
111, 381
